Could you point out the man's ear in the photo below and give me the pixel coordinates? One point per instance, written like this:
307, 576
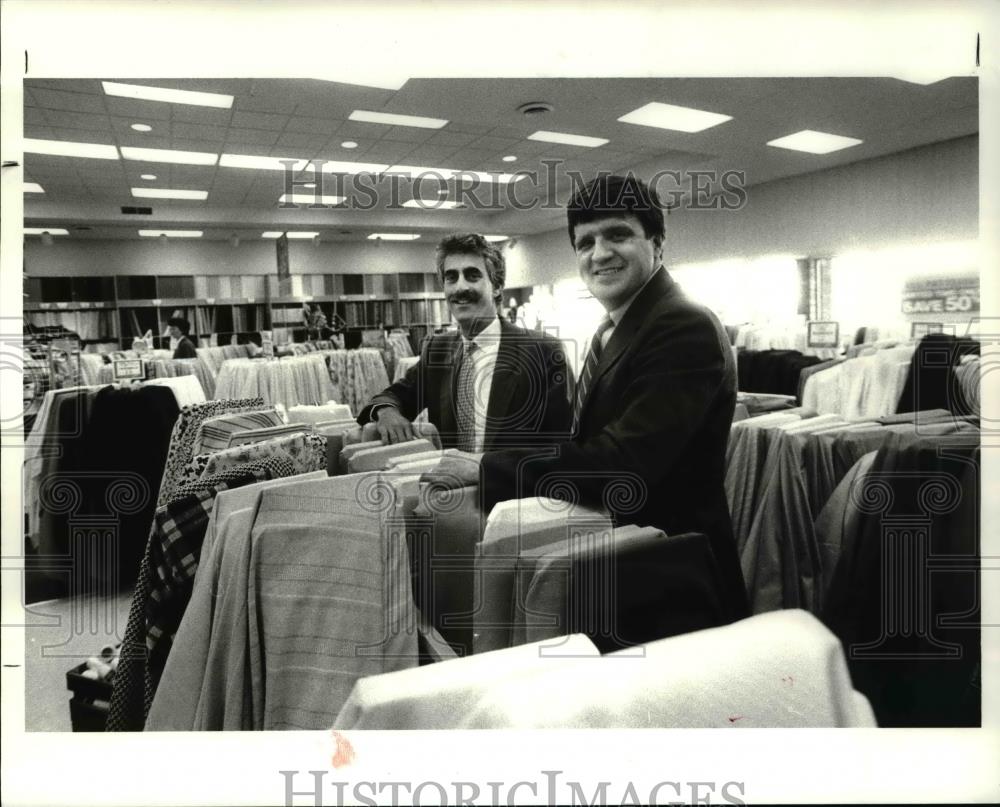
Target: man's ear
658, 247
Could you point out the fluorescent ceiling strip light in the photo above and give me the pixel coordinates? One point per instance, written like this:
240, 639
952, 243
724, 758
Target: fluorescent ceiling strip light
168, 193
67, 148
676, 118
278, 234
267, 163
347, 167
309, 199
568, 139
433, 174
390, 119
32, 187
496, 237
171, 233
393, 236
49, 230
169, 156
431, 204
169, 96
814, 142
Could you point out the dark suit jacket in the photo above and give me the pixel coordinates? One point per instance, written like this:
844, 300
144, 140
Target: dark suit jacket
528, 403
185, 349
652, 440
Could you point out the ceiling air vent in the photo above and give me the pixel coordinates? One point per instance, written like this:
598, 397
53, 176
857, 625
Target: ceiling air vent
137, 211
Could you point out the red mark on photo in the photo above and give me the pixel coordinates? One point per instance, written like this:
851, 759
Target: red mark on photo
734, 718
344, 754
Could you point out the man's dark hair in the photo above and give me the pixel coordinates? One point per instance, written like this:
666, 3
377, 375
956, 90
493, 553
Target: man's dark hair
180, 322
475, 244
610, 195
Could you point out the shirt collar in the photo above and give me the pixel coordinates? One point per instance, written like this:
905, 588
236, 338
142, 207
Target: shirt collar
488, 337
617, 315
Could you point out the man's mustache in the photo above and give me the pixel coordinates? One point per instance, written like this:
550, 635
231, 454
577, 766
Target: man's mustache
464, 297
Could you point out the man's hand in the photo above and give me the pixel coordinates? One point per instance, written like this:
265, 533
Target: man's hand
454, 471
392, 426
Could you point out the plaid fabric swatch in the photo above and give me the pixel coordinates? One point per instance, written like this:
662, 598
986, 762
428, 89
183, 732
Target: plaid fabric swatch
186, 428
166, 578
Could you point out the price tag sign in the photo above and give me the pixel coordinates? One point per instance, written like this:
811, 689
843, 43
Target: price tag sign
128, 369
823, 334
210, 300
921, 329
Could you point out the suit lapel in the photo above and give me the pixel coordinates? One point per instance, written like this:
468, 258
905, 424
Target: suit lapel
507, 373
449, 421
660, 285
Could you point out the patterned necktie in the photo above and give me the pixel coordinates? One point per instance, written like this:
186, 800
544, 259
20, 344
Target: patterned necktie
465, 399
589, 368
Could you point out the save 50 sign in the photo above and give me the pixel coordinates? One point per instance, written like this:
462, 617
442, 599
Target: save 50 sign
941, 296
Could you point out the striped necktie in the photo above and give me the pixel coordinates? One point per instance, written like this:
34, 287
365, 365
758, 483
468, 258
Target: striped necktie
465, 399
589, 368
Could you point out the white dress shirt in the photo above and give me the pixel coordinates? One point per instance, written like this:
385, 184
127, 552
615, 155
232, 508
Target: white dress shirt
487, 343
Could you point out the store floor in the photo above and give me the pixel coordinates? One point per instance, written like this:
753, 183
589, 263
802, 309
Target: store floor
59, 635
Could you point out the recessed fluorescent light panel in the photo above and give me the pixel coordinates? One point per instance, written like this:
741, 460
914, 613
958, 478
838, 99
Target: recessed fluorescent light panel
278, 234
432, 174
66, 148
32, 187
171, 233
148, 176
397, 120
568, 139
676, 118
49, 230
267, 163
308, 199
142, 127
169, 156
814, 142
496, 237
168, 193
393, 237
431, 204
169, 96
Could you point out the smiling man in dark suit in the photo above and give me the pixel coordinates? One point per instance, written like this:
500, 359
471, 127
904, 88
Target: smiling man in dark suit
491, 385
655, 397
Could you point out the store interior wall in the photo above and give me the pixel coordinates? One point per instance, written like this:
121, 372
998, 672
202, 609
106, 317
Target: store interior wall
922, 195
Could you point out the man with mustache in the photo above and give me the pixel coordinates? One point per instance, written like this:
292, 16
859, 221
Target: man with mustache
655, 397
492, 385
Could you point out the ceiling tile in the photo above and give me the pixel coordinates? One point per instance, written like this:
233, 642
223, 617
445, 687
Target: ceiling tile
208, 116
68, 101
197, 131
299, 140
136, 110
259, 120
407, 134
468, 128
35, 116
38, 132
251, 136
324, 126
87, 85
80, 120
357, 130
431, 155
443, 137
